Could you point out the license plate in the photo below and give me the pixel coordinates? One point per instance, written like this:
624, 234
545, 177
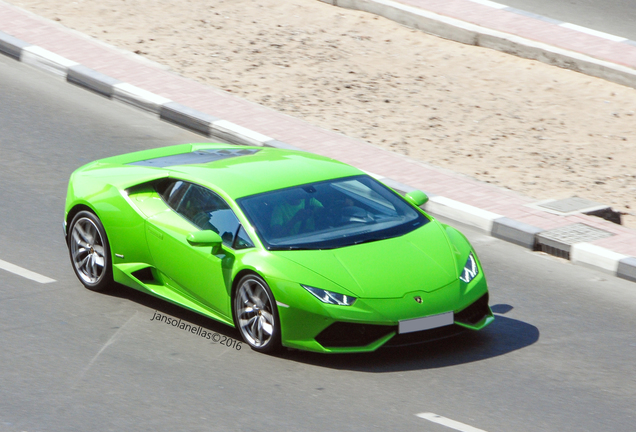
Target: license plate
426, 323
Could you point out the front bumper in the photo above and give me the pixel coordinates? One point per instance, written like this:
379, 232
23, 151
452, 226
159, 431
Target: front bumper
372, 323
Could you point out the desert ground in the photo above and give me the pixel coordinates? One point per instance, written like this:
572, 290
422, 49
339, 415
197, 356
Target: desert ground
537, 129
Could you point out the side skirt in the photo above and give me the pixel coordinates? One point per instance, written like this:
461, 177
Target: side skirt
147, 279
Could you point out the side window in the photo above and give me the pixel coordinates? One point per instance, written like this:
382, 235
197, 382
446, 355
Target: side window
206, 210
242, 241
172, 192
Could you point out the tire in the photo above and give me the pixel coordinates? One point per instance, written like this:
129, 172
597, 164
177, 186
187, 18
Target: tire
256, 314
90, 252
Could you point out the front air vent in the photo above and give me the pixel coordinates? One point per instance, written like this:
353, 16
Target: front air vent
343, 334
475, 312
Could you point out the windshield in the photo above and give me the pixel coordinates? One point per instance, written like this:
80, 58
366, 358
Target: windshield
330, 214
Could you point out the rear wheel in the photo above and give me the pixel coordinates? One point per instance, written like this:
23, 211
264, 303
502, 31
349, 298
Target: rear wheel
256, 315
90, 252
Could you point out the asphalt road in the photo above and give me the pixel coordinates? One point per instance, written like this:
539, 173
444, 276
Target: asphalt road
616, 17
560, 355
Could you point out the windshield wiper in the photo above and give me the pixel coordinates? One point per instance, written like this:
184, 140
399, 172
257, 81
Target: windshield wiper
369, 240
294, 248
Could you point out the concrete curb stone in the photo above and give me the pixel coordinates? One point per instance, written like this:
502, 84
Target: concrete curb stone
595, 257
139, 97
238, 134
627, 269
92, 80
515, 232
44, 59
192, 119
12, 46
464, 213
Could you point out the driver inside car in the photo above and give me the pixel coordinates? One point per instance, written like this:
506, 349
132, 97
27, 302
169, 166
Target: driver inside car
295, 214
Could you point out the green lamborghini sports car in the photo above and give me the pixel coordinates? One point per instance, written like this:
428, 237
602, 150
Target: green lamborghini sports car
291, 248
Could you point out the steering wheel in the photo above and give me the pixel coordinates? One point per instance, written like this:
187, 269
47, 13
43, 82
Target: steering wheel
356, 214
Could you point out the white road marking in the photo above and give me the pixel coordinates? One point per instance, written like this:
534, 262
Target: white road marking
24, 272
448, 422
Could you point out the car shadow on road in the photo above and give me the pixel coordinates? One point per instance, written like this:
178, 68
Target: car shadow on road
164, 307
503, 336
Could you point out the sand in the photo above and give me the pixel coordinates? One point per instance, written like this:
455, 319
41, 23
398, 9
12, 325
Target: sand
537, 129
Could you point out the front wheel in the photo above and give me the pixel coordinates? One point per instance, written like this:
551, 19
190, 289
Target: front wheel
90, 252
256, 315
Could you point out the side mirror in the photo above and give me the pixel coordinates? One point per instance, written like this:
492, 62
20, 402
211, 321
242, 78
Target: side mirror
205, 238
416, 197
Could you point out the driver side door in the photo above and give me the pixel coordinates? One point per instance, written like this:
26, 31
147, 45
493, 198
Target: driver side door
201, 273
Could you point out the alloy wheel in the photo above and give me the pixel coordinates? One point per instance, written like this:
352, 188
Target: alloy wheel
87, 251
254, 312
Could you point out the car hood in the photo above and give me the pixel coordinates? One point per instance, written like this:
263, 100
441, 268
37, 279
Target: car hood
421, 260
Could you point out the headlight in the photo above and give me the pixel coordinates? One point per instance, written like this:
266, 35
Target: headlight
470, 269
330, 297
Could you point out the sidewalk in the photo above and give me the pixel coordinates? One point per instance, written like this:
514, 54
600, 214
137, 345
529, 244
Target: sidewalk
499, 212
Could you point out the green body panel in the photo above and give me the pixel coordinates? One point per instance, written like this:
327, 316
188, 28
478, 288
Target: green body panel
195, 269
148, 238
420, 260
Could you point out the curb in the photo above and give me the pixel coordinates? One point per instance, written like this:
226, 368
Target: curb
491, 223
473, 34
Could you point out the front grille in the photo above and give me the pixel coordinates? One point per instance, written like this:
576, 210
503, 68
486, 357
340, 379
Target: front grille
475, 312
343, 334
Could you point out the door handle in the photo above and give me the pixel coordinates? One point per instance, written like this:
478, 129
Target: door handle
155, 231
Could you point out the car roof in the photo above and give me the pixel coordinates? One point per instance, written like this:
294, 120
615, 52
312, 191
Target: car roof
263, 170
237, 170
